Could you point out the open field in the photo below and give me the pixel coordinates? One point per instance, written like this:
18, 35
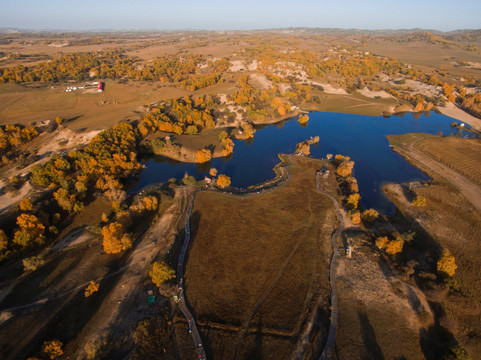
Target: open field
462, 155
450, 221
259, 265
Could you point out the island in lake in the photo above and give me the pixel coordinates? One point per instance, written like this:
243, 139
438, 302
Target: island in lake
290, 193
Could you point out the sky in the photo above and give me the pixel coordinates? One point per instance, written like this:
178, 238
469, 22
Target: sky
442, 15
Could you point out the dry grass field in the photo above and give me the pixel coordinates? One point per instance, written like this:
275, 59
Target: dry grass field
258, 266
462, 155
452, 222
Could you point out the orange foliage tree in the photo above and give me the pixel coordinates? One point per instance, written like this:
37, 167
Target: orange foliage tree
203, 155
223, 181
161, 272
447, 264
91, 288
115, 239
30, 230
53, 349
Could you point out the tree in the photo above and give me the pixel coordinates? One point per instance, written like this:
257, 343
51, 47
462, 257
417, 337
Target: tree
345, 169
161, 272
203, 155
91, 288
353, 200
369, 215
53, 349
3, 240
223, 181
447, 264
392, 247
355, 216
26, 205
419, 201
58, 120
114, 238
303, 118
30, 230
33, 263
213, 172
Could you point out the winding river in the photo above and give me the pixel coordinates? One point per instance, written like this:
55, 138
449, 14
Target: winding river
361, 137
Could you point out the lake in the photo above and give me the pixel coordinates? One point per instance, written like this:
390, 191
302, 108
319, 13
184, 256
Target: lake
361, 137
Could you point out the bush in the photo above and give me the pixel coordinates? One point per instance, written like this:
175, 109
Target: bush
33, 263
161, 272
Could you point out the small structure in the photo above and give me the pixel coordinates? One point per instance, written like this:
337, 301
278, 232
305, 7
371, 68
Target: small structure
100, 86
349, 252
207, 180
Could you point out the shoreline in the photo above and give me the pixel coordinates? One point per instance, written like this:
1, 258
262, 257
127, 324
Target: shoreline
455, 112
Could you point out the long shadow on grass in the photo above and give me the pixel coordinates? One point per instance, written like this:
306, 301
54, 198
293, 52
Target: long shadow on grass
71, 314
371, 346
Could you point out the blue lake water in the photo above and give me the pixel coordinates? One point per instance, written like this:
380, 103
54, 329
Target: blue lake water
363, 138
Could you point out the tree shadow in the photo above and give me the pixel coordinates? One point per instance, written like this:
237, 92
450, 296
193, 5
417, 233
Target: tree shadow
255, 352
371, 346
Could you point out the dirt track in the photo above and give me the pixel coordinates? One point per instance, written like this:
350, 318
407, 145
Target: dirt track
468, 189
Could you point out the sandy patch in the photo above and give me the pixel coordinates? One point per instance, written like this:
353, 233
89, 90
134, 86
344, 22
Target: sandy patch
260, 81
422, 88
63, 140
453, 111
328, 88
372, 94
252, 66
237, 65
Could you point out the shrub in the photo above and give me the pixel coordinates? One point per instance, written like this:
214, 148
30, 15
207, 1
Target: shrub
91, 288
447, 264
52, 349
369, 215
419, 201
223, 181
33, 263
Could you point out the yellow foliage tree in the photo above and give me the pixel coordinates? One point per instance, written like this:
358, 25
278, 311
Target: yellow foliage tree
338, 159
392, 247
213, 172
355, 217
114, 238
303, 118
203, 155
419, 201
30, 230
345, 169
161, 272
93, 287
353, 200
53, 349
26, 205
447, 264
3, 240
369, 215
223, 181
281, 110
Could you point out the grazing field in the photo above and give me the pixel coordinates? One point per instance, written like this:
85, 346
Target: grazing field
451, 223
462, 155
258, 266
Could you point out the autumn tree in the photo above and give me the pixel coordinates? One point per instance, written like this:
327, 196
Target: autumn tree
161, 272
3, 240
213, 172
419, 201
355, 216
53, 349
369, 215
91, 288
338, 159
227, 144
345, 169
26, 205
447, 264
353, 200
115, 239
30, 230
248, 130
223, 181
203, 155
392, 247
303, 118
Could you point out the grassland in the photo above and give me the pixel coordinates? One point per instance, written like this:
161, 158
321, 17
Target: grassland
258, 266
449, 222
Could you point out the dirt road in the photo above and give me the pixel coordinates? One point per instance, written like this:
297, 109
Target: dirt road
468, 189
